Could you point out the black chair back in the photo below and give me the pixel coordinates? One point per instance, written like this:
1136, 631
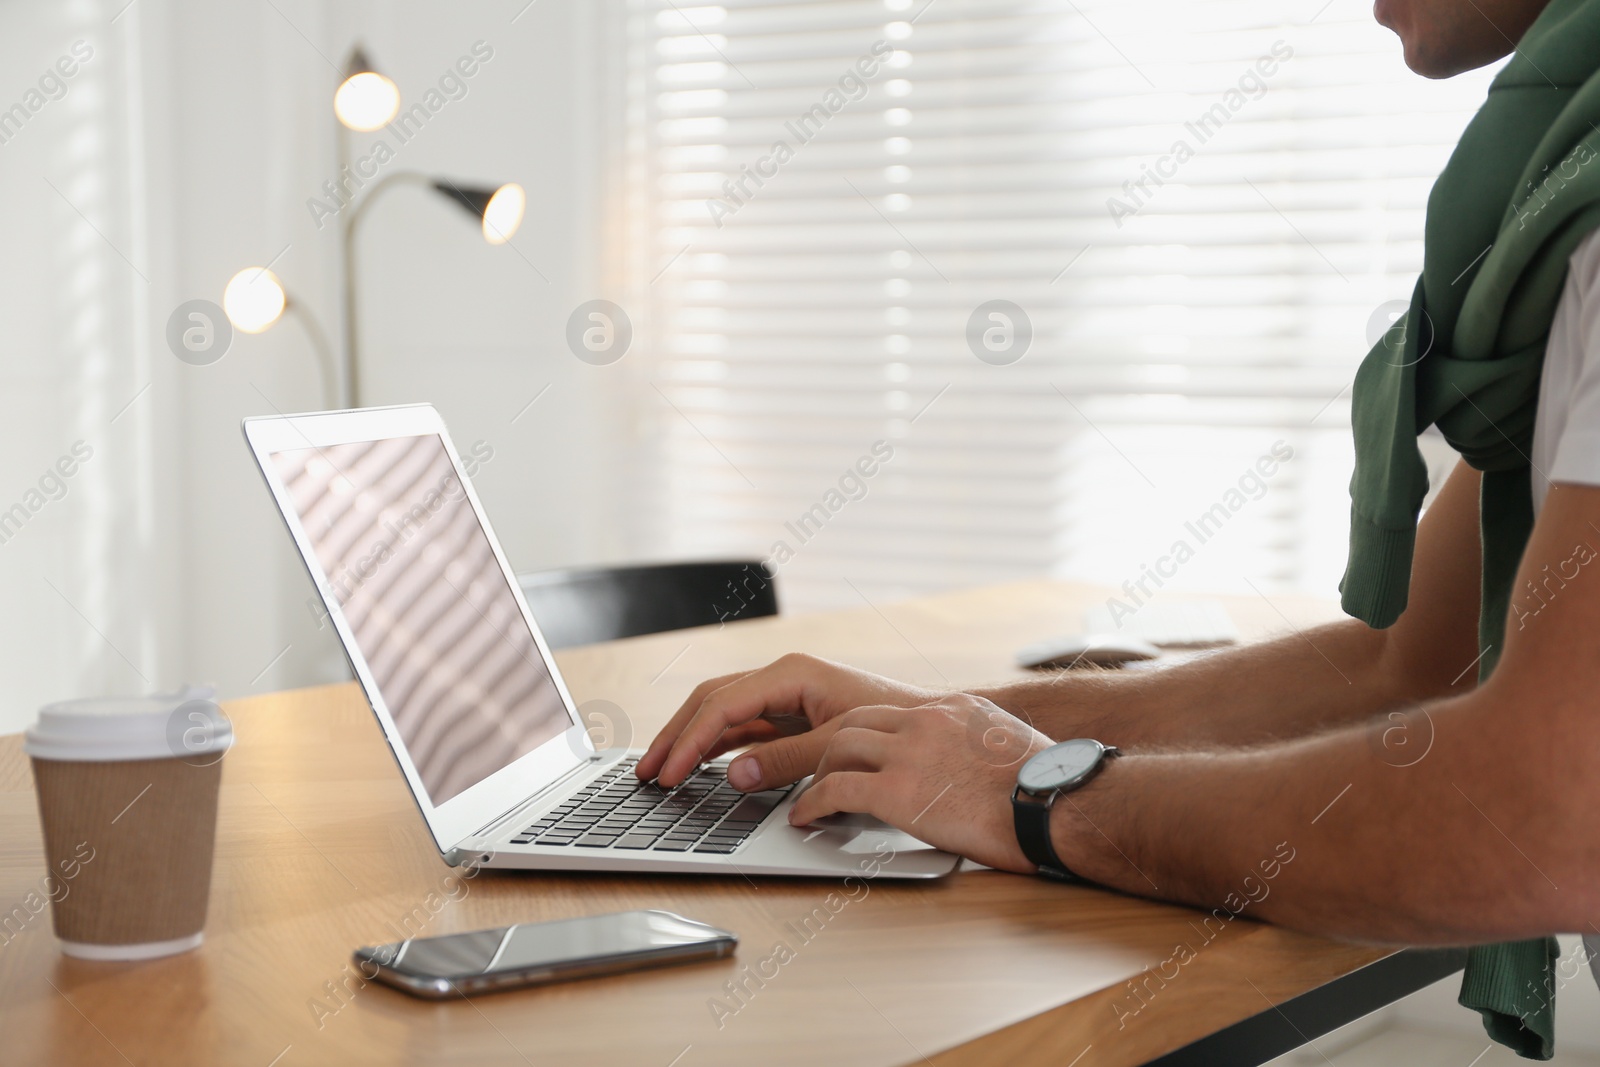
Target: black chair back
586, 605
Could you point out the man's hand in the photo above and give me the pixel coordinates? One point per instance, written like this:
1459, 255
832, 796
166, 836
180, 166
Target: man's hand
789, 709
943, 772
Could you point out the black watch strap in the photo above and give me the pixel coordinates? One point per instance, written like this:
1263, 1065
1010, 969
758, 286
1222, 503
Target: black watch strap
1032, 817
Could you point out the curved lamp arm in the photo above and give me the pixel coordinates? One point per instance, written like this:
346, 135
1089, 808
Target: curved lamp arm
319, 342
352, 357
479, 202
257, 312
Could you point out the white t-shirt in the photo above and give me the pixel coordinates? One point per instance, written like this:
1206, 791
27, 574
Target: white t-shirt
1566, 431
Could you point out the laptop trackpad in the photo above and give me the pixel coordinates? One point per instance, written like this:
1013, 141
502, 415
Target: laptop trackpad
863, 834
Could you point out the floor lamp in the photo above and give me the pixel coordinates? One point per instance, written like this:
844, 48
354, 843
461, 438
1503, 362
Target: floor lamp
367, 101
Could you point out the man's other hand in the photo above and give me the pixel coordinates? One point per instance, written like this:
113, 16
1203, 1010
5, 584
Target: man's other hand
943, 773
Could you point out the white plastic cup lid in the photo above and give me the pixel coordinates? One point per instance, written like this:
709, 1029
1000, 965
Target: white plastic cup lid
183, 724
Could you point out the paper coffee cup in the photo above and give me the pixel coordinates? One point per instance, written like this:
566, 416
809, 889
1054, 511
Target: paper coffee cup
128, 800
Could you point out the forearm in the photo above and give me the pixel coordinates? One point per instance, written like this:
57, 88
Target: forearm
1469, 819
1283, 688
1299, 683
1467, 843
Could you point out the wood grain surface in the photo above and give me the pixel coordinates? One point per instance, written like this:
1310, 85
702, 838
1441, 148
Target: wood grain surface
320, 849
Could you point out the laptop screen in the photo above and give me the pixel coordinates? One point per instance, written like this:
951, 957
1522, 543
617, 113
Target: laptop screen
430, 608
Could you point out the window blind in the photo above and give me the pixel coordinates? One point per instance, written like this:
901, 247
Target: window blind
1195, 212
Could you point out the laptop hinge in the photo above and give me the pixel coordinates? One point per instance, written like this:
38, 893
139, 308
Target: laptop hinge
493, 827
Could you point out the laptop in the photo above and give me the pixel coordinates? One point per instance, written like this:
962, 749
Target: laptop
469, 698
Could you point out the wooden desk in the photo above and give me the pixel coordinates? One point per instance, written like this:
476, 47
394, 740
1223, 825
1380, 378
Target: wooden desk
320, 849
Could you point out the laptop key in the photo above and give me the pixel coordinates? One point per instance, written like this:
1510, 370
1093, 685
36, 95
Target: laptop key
717, 847
672, 846
634, 841
756, 806
596, 840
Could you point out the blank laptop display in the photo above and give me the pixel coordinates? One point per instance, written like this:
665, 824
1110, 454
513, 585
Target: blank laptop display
418, 583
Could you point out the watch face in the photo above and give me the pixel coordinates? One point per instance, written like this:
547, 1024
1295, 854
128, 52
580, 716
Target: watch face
1060, 765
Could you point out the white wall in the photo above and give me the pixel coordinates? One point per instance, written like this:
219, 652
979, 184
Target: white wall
193, 140
90, 579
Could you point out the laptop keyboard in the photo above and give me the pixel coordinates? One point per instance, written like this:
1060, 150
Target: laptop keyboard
703, 814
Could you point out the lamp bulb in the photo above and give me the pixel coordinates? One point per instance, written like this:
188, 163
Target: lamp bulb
366, 101
504, 212
253, 300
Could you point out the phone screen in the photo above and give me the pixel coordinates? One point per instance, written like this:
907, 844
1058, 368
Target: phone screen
529, 947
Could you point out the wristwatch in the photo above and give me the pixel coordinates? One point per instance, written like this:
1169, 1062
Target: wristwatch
1058, 769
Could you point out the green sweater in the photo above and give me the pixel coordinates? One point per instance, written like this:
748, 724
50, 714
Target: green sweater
1521, 190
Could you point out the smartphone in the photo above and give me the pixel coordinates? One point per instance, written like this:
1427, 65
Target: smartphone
509, 957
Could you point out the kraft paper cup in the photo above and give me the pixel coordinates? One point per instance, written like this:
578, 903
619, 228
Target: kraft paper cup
128, 801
